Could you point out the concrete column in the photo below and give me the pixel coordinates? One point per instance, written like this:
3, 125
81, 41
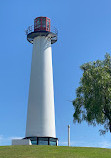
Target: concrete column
41, 113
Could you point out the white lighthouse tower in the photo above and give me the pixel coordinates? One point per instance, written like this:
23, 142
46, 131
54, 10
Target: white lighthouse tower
40, 126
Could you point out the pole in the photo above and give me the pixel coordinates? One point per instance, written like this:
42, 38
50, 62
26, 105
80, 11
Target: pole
68, 135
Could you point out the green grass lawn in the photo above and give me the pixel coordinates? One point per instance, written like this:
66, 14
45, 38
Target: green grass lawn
52, 152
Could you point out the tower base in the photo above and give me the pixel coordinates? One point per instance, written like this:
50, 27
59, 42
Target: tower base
43, 140
21, 142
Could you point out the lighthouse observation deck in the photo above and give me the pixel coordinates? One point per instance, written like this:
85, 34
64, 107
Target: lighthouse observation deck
42, 27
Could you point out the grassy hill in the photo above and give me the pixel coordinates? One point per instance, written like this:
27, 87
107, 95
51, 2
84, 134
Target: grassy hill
52, 152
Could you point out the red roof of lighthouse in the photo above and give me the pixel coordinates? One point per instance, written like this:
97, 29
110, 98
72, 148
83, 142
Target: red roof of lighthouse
42, 24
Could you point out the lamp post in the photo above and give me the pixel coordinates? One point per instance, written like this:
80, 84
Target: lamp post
68, 135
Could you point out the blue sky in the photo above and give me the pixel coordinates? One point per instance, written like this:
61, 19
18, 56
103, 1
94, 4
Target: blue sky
84, 35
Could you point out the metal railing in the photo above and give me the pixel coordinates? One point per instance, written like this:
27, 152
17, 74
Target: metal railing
30, 29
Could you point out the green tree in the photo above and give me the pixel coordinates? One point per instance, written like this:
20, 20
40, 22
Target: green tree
93, 96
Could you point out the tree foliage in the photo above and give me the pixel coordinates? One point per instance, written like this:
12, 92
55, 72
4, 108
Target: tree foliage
93, 96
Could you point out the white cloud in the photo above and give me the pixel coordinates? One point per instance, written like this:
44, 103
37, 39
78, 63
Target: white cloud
63, 143
1, 137
105, 144
15, 138
7, 140
102, 144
